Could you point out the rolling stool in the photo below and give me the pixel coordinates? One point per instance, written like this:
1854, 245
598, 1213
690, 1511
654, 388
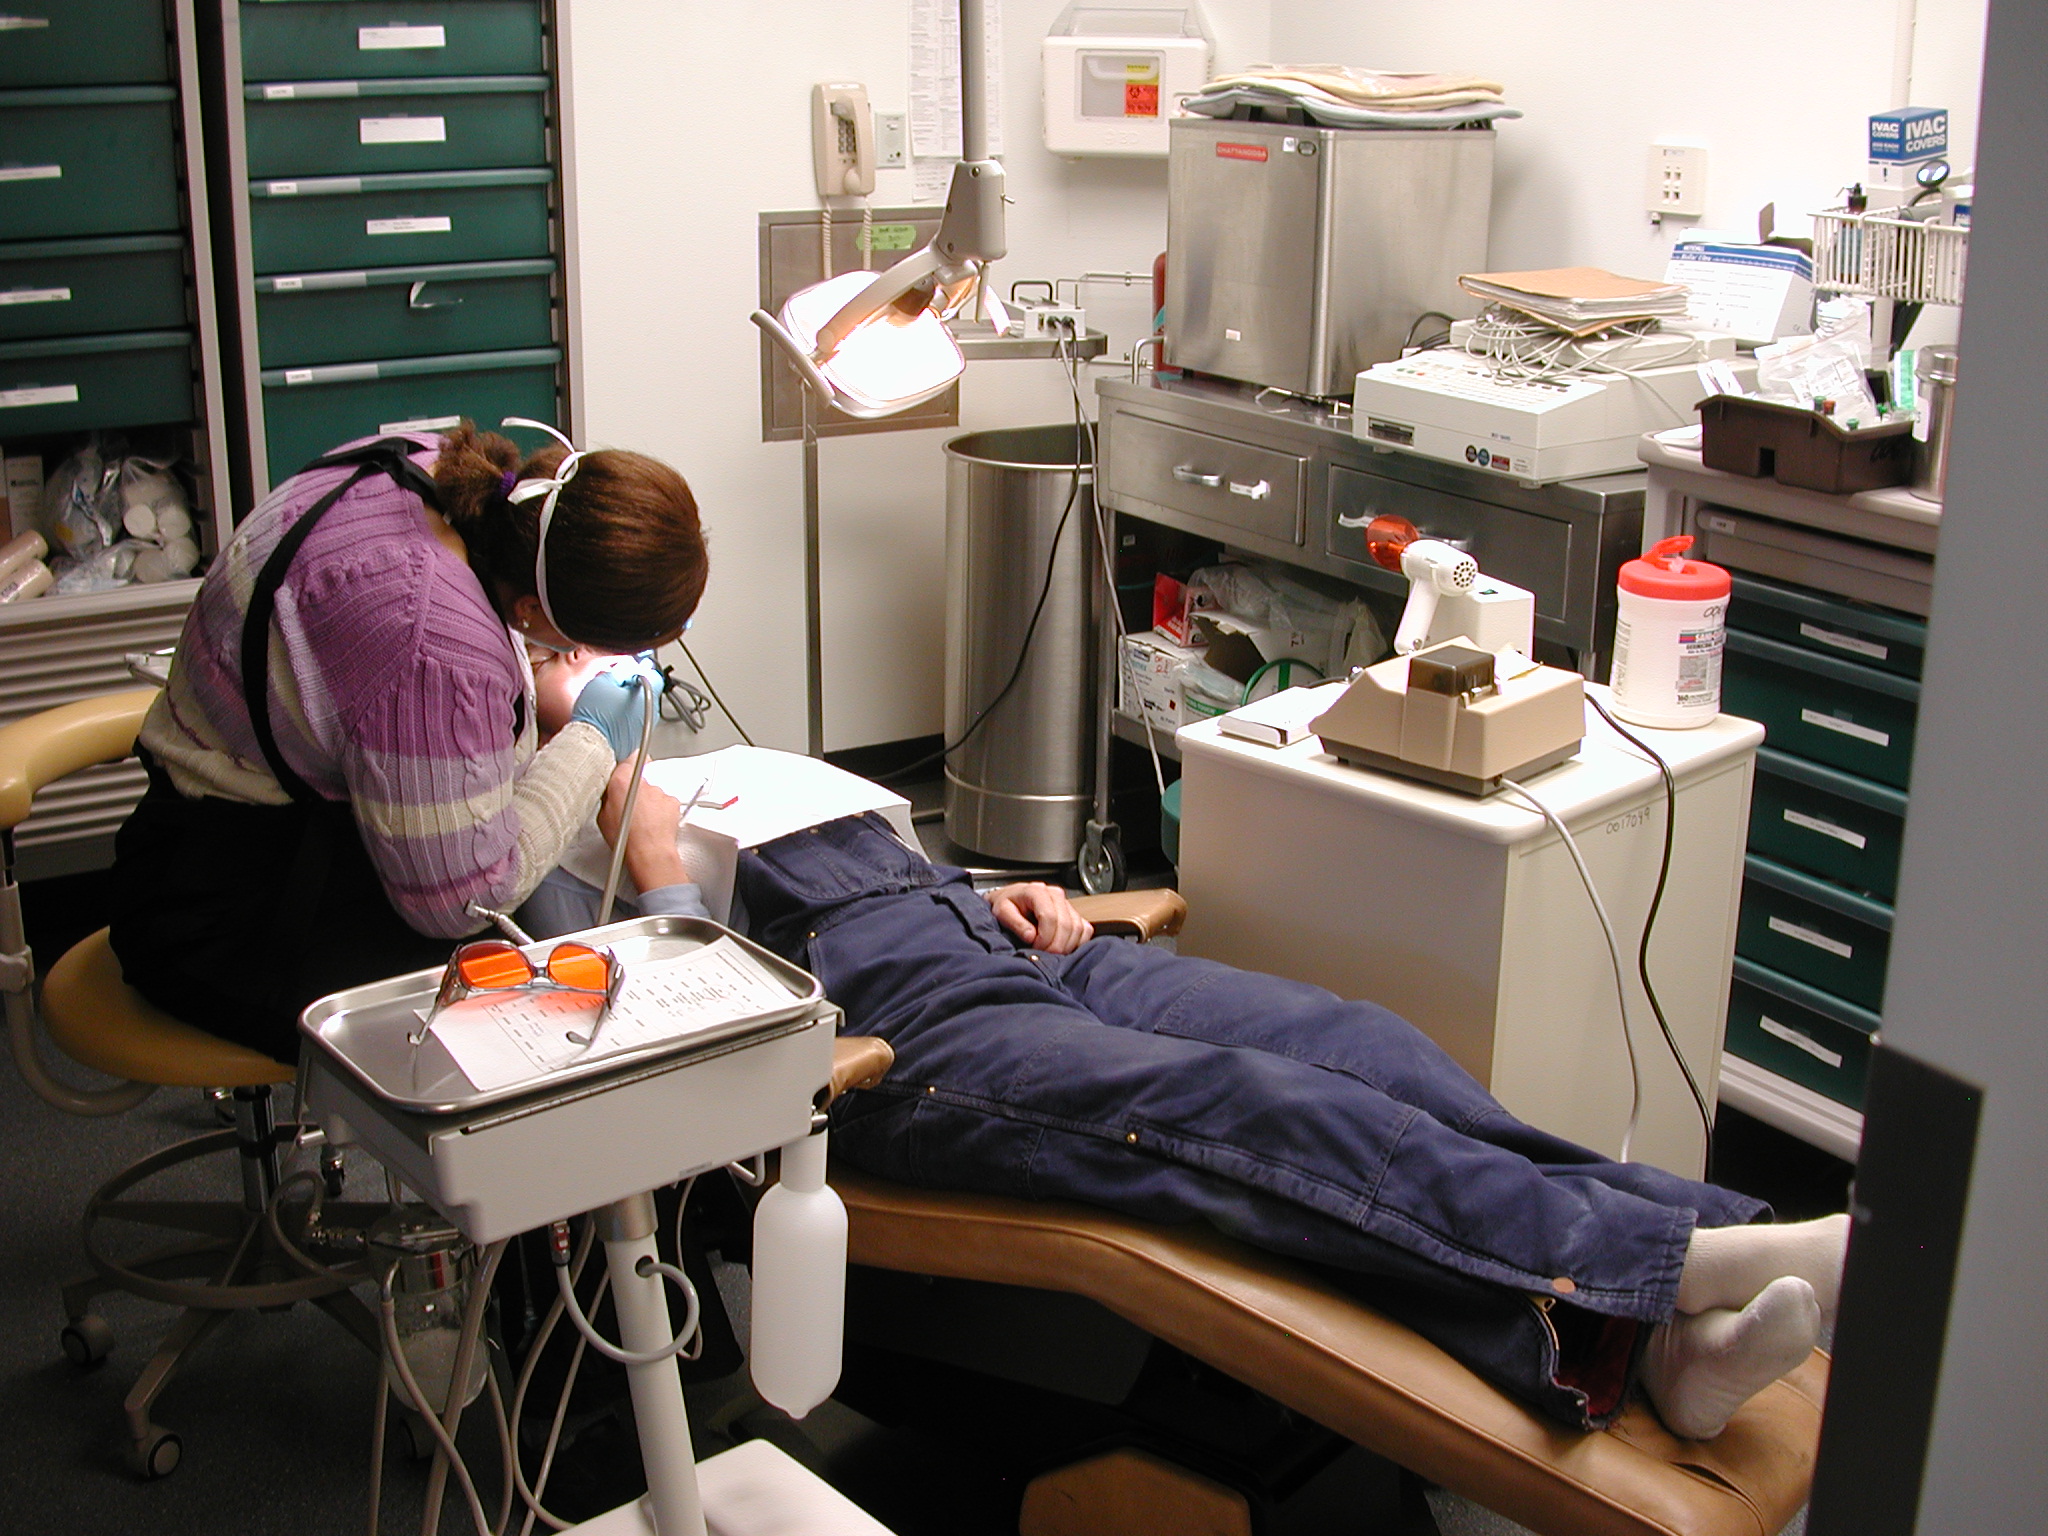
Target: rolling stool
230, 1257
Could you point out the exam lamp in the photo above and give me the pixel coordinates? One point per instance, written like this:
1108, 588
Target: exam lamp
874, 345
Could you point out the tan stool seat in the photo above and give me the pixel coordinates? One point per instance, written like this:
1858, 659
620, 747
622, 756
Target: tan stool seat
1293, 1336
97, 1019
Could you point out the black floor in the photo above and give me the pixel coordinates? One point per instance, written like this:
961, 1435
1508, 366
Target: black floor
274, 1413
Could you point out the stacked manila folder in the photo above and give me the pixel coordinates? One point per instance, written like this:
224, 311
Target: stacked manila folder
1579, 300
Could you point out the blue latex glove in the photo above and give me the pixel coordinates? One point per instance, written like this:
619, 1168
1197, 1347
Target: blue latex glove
614, 703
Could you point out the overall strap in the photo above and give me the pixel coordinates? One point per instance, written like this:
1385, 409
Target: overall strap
387, 455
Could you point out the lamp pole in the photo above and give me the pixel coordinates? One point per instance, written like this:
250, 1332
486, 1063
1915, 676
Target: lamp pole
814, 614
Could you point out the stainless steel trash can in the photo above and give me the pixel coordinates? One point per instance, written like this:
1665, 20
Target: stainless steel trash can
1019, 786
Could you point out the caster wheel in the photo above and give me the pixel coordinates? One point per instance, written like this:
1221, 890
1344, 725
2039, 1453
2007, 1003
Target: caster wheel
156, 1454
1100, 863
86, 1340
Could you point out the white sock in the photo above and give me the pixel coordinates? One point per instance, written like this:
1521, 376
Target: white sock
1730, 1266
1699, 1370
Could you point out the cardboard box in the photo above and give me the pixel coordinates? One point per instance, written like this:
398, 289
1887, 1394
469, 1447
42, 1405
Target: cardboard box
1148, 679
24, 501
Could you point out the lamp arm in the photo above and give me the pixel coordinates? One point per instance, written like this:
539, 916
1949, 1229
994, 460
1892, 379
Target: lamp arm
809, 370
889, 286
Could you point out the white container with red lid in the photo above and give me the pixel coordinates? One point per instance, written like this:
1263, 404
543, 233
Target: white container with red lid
1668, 637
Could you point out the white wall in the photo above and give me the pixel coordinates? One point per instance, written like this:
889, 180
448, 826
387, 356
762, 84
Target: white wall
1778, 91
688, 119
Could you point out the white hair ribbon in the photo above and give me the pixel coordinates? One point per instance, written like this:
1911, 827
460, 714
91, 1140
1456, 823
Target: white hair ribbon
551, 488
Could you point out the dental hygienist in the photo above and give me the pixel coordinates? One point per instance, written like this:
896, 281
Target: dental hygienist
344, 771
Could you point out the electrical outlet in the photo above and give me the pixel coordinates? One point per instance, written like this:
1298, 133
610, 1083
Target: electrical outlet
892, 140
1677, 181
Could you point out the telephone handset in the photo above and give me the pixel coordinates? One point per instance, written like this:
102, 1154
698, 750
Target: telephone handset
843, 140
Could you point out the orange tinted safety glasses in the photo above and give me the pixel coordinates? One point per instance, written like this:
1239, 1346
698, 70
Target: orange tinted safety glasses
493, 965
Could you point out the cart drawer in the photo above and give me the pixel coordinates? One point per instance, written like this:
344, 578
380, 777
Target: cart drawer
63, 384
395, 312
77, 287
307, 411
1800, 1032
96, 160
1814, 931
357, 127
1827, 823
1829, 626
1837, 712
83, 42
336, 39
1226, 483
380, 221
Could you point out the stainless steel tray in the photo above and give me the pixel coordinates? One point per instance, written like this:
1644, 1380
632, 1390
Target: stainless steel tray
363, 1030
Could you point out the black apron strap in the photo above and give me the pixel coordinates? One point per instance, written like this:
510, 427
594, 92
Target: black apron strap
388, 455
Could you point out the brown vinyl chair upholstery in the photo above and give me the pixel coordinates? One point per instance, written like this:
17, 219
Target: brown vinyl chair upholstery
1288, 1333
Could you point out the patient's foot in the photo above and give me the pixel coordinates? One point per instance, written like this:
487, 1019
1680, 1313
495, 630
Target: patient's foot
1729, 1266
1699, 1370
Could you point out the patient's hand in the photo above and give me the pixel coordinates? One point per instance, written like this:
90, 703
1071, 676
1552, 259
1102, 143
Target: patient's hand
1041, 916
651, 855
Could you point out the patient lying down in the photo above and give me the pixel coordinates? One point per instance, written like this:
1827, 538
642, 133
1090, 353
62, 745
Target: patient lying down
1034, 1060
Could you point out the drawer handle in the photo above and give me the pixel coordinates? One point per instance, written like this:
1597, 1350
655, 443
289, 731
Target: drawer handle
1257, 490
1363, 520
1187, 474
417, 299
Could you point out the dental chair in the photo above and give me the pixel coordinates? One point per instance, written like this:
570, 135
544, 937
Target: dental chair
226, 1259
1283, 1331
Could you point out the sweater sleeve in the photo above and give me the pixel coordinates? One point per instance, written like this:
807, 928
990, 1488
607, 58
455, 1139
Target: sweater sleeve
445, 816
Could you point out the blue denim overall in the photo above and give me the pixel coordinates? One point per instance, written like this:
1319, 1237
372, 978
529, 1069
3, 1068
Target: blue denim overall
1176, 1089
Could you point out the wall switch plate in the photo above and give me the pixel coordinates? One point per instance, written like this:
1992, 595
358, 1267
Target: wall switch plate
892, 140
1677, 182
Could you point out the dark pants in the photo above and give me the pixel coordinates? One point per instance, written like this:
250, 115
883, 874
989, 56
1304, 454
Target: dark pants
1176, 1089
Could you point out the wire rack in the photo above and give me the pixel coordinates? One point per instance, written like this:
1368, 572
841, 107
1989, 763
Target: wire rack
1889, 257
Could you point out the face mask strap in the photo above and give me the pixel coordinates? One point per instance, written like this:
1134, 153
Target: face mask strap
550, 488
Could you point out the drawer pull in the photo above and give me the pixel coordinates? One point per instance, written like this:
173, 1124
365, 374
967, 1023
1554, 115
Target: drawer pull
10, 296
1363, 520
1793, 1037
378, 39
1809, 936
39, 394
31, 172
417, 299
1187, 474
1825, 828
1257, 490
1846, 727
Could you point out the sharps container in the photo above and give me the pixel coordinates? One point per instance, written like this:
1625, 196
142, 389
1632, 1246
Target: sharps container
1934, 387
1668, 636
1020, 540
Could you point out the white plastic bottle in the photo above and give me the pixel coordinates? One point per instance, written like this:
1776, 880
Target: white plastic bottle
1669, 633
799, 1302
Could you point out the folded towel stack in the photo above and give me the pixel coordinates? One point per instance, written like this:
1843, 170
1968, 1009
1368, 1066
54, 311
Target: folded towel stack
1342, 96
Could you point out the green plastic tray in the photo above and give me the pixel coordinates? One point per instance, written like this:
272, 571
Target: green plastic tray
398, 312
83, 42
89, 160
325, 39
70, 383
431, 217
359, 127
79, 287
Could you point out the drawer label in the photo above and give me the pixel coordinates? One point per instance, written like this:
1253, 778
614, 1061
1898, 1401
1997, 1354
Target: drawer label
1791, 1036
423, 424
371, 39
34, 296
282, 188
425, 226
23, 23
298, 375
287, 284
1808, 936
39, 394
403, 130
1843, 727
1842, 642
1826, 828
279, 92
30, 172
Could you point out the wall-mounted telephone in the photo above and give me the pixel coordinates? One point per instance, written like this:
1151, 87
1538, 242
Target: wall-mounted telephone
843, 140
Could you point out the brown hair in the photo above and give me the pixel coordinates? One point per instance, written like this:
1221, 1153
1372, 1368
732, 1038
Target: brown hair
626, 559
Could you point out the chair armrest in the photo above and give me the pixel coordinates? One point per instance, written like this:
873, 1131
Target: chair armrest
1142, 914
45, 747
859, 1061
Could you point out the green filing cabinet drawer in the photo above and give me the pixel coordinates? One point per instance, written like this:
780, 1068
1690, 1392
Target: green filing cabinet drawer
1831, 626
390, 221
337, 40
97, 160
394, 312
78, 287
1819, 933
69, 383
82, 42
1836, 712
307, 411
1800, 1032
1827, 822
357, 127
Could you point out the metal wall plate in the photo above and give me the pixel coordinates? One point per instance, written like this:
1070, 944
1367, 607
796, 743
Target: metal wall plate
789, 262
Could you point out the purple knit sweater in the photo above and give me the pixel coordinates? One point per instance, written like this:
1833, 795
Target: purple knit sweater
395, 686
